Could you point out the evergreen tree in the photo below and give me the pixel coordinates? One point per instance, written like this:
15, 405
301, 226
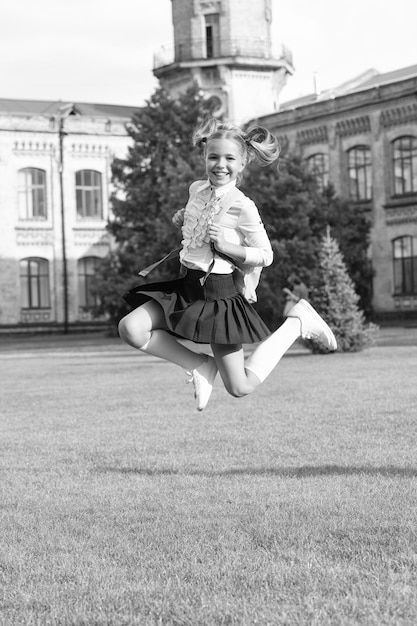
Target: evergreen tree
333, 295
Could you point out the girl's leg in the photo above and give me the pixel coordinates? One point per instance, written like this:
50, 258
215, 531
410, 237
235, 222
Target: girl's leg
145, 329
242, 378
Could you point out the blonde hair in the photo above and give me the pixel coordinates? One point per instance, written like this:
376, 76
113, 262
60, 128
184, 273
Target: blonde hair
257, 143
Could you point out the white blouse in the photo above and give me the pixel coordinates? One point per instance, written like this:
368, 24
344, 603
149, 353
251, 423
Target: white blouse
242, 225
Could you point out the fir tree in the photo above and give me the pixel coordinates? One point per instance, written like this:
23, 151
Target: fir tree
333, 295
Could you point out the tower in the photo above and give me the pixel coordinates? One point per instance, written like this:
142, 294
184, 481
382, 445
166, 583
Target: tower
225, 47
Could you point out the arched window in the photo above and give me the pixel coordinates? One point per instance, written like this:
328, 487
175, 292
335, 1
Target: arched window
405, 165
32, 194
86, 270
88, 194
318, 165
34, 283
404, 252
360, 173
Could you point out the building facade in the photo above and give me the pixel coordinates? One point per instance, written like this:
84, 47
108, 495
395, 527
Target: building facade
362, 138
225, 47
55, 185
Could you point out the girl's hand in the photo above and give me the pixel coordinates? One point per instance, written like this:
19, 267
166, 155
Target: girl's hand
216, 234
178, 218
233, 250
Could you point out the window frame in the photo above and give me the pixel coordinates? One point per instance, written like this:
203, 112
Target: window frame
32, 195
35, 291
404, 265
85, 299
363, 171
407, 164
88, 195
321, 172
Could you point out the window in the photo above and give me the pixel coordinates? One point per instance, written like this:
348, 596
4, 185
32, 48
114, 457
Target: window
405, 165
89, 194
212, 35
34, 283
360, 173
405, 265
86, 270
32, 194
318, 165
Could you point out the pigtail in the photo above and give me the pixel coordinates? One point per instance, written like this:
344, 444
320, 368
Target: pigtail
263, 146
203, 132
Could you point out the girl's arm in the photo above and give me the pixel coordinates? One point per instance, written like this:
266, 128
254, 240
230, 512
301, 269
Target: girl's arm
257, 250
178, 218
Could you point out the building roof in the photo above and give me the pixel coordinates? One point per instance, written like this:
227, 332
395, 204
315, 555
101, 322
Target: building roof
52, 108
367, 80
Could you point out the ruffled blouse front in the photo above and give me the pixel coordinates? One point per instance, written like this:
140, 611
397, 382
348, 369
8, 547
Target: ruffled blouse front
195, 231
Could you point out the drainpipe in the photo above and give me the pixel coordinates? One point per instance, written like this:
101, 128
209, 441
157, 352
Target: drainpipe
64, 111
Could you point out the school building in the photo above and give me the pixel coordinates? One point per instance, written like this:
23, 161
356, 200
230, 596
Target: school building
55, 186
362, 138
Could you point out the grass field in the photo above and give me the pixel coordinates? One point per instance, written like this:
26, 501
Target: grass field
121, 504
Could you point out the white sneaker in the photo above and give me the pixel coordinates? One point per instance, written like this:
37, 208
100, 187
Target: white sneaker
312, 325
203, 379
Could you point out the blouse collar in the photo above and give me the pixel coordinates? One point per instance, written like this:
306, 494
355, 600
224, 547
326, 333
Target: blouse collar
219, 191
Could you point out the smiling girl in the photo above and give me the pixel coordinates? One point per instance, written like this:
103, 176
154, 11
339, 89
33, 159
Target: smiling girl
223, 236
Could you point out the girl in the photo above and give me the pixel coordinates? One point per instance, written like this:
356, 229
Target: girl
221, 229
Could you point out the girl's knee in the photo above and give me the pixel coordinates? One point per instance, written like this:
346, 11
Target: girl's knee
237, 390
123, 328
132, 333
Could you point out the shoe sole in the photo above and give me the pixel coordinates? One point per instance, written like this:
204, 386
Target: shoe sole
331, 339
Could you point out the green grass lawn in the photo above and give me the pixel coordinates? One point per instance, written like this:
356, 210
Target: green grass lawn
121, 504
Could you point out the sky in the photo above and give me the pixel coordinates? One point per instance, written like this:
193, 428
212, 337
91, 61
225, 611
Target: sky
102, 50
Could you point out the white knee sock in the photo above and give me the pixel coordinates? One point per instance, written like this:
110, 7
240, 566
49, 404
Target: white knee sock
269, 352
165, 346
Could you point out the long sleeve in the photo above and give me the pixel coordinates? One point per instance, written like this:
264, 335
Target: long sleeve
257, 245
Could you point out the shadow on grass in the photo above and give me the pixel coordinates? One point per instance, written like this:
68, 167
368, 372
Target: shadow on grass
305, 471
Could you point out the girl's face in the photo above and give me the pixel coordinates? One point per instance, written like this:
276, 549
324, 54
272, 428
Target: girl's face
224, 161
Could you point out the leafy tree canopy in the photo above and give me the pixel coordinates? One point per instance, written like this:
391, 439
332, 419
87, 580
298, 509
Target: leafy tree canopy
151, 183
296, 213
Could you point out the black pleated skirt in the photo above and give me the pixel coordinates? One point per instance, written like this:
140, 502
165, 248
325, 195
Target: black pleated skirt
211, 313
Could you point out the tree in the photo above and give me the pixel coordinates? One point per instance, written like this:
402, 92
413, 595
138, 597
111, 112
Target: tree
333, 295
151, 183
296, 213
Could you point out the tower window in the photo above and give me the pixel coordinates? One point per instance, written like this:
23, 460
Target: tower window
212, 35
